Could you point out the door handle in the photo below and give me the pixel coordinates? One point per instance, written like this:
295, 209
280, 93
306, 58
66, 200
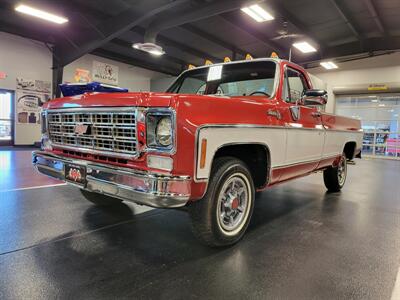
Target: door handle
274, 113
316, 114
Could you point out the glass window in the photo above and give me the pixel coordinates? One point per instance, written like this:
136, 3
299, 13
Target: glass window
236, 79
294, 87
379, 115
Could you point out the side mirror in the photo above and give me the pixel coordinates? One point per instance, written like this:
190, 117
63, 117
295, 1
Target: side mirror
315, 97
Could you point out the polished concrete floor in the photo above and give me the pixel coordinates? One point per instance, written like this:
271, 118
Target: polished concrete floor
302, 244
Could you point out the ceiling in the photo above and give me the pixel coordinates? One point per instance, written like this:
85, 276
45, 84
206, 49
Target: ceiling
191, 31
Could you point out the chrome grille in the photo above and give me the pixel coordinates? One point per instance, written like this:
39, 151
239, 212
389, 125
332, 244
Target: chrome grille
113, 132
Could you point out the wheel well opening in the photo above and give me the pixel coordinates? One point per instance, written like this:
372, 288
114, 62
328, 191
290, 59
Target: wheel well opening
350, 149
255, 156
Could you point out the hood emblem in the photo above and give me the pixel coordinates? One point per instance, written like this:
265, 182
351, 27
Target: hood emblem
81, 129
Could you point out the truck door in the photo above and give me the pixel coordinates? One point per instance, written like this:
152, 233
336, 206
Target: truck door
305, 133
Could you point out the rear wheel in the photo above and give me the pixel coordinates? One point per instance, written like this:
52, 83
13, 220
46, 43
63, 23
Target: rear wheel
222, 216
335, 177
100, 199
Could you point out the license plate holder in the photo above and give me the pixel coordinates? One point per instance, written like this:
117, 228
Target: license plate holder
75, 174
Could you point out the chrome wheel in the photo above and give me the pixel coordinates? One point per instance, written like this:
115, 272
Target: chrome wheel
234, 204
342, 170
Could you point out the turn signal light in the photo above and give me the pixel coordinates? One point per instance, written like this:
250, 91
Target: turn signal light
203, 153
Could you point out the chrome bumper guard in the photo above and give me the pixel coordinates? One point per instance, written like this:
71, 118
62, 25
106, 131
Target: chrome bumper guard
156, 190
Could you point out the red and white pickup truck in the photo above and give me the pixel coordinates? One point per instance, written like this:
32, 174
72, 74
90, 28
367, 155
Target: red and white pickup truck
219, 134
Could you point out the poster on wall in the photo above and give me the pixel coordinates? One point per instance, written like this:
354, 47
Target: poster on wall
82, 75
41, 86
105, 73
27, 106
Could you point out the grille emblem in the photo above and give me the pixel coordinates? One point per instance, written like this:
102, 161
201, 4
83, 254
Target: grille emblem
81, 128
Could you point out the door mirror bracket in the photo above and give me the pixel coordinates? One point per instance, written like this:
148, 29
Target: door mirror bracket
314, 97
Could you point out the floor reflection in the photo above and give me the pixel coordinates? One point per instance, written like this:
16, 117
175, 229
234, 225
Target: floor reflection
16, 171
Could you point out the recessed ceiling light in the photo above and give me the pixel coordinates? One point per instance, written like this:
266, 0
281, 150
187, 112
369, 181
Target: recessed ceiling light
257, 13
40, 14
304, 47
329, 65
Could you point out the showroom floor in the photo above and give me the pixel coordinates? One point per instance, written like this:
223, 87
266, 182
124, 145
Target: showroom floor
303, 243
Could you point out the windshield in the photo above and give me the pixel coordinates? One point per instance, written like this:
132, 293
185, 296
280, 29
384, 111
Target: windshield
234, 79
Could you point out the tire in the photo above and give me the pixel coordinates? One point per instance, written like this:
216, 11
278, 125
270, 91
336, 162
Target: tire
335, 177
221, 218
100, 199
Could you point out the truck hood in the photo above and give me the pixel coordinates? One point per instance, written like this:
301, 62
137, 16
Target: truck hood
145, 99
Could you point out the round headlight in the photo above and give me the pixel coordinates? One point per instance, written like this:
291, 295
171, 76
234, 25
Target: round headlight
164, 131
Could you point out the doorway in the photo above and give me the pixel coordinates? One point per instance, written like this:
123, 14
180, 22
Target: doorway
380, 120
6, 118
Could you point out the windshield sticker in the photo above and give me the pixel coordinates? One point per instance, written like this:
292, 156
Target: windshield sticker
214, 73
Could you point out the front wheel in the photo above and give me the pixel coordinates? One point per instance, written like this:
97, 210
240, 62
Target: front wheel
222, 216
335, 177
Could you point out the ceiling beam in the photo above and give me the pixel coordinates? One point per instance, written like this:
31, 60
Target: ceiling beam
234, 20
31, 34
164, 41
371, 45
112, 28
142, 63
212, 8
212, 38
375, 16
346, 16
276, 5
128, 45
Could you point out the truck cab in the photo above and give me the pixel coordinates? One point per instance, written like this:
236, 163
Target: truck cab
215, 137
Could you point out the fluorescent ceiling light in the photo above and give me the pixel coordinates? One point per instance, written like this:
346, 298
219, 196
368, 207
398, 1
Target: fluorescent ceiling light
257, 13
374, 100
40, 14
304, 47
329, 65
381, 105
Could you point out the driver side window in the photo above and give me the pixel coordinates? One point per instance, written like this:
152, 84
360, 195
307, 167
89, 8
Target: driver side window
294, 86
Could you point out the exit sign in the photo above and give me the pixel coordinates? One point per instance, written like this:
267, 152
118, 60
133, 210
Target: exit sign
3, 75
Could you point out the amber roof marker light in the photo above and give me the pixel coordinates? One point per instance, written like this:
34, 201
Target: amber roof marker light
41, 14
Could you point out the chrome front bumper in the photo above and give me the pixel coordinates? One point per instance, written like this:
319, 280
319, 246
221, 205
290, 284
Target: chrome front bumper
150, 189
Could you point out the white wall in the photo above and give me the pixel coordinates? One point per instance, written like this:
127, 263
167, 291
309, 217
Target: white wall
374, 70
20, 57
133, 78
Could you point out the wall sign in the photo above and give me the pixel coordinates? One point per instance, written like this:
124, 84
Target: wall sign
36, 85
30, 96
82, 76
28, 106
105, 73
3, 75
377, 87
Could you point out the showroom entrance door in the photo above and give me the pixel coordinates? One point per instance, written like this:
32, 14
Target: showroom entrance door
380, 120
6, 118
